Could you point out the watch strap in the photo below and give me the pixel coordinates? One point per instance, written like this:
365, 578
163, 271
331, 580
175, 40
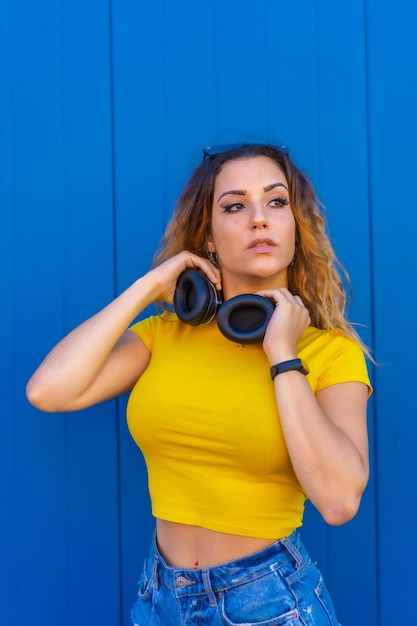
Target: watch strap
286, 366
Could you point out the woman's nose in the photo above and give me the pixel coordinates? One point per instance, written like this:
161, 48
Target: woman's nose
258, 218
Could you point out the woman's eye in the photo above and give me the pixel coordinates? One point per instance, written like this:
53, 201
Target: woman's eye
233, 207
280, 202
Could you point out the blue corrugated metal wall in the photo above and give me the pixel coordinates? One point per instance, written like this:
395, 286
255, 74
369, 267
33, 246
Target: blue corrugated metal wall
104, 107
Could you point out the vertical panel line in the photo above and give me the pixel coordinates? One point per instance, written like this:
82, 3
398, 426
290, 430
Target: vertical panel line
318, 77
115, 293
372, 305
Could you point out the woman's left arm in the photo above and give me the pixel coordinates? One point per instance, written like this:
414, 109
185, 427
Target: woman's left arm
325, 433
326, 436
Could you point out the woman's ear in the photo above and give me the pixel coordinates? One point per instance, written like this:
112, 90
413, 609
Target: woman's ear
210, 245
211, 252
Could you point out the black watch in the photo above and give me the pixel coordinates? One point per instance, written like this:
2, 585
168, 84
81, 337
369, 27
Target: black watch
286, 366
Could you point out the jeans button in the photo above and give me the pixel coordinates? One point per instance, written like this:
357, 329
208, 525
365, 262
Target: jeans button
181, 582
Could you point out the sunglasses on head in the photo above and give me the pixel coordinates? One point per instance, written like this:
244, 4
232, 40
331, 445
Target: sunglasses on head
212, 151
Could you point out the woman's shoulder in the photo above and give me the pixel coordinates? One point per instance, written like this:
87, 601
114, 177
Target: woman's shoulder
333, 357
148, 327
329, 338
154, 320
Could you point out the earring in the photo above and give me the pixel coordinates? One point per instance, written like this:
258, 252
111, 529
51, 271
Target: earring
212, 257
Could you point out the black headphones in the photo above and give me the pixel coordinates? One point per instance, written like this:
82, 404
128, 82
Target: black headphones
242, 319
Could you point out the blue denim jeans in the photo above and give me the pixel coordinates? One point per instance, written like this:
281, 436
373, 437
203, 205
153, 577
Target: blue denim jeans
277, 586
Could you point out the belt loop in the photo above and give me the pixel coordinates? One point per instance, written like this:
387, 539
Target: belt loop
155, 580
208, 588
295, 553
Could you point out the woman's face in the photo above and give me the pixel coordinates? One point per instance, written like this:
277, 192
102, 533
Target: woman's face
253, 226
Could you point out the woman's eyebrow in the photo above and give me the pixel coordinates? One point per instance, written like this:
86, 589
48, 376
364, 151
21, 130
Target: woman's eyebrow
269, 187
242, 192
232, 192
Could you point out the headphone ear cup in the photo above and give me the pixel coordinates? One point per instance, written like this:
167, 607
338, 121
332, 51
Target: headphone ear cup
195, 298
244, 319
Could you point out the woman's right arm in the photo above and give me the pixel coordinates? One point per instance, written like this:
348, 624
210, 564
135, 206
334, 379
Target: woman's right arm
100, 359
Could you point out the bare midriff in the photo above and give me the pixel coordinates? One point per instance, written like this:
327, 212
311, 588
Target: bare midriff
191, 547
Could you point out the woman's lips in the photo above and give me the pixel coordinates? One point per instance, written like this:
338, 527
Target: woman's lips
262, 245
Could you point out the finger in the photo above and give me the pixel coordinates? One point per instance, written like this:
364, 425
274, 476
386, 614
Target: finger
212, 272
277, 295
299, 300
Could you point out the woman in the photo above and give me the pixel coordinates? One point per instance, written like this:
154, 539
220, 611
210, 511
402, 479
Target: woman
231, 454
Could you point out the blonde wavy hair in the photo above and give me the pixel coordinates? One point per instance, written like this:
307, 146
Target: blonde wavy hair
315, 273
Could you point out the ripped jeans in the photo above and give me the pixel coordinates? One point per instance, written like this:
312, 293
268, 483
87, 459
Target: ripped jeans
277, 586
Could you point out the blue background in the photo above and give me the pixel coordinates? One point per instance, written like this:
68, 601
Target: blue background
104, 109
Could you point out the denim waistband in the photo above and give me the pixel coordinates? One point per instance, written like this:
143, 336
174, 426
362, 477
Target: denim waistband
213, 580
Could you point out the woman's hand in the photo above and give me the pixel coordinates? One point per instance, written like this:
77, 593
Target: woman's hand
166, 274
286, 326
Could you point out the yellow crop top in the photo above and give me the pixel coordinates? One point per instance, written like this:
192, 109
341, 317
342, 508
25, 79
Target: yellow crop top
205, 417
